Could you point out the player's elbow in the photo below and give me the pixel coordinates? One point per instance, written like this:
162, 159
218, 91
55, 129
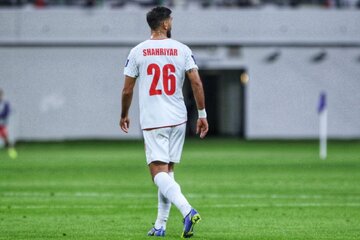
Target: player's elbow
197, 84
127, 92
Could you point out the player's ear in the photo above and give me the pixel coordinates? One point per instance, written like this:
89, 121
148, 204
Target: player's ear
165, 26
166, 23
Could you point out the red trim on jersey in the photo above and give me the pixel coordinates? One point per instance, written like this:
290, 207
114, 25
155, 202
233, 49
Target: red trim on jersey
149, 129
3, 131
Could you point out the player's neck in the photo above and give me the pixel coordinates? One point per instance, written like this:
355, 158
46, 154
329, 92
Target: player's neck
158, 35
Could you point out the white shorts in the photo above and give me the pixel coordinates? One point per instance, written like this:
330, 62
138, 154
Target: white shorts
164, 144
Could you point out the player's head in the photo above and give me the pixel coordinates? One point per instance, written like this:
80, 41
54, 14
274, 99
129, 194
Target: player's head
159, 18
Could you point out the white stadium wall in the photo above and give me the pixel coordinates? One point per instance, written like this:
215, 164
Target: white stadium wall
282, 97
65, 92
62, 68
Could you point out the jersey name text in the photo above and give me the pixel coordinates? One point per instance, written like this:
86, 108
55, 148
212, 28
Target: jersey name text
160, 52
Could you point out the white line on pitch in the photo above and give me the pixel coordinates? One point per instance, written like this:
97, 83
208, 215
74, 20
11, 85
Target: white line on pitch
191, 195
58, 206
287, 205
276, 205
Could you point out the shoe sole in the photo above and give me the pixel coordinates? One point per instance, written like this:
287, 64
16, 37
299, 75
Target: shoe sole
154, 234
195, 219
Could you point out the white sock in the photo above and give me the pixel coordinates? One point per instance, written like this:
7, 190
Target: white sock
171, 190
164, 206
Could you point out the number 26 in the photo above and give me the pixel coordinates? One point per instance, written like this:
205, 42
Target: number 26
169, 79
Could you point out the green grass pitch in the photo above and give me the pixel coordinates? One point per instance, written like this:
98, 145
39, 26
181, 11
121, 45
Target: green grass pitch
243, 190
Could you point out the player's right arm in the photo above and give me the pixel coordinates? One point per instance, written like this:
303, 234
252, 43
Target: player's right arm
202, 125
131, 71
126, 98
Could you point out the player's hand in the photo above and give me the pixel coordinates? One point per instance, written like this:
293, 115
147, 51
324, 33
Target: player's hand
202, 127
125, 124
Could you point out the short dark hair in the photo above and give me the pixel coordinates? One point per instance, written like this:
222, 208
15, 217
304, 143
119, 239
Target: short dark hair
156, 16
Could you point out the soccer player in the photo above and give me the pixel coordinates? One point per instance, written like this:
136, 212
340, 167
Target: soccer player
4, 115
159, 64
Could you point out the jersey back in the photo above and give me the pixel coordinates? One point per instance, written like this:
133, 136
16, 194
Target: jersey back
160, 66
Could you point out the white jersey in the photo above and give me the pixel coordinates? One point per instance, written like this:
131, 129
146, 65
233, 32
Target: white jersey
160, 66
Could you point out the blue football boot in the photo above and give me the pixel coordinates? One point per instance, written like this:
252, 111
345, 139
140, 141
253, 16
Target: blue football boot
189, 222
157, 232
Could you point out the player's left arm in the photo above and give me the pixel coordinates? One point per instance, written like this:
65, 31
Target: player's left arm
202, 125
127, 94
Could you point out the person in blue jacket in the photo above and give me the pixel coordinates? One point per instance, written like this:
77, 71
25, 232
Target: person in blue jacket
4, 117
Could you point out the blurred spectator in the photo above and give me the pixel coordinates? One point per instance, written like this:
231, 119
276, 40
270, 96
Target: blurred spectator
118, 3
90, 3
12, 2
40, 3
4, 117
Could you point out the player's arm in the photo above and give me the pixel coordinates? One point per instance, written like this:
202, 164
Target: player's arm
202, 126
126, 99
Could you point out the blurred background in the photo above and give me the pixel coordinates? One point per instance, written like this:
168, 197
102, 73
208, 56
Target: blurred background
264, 64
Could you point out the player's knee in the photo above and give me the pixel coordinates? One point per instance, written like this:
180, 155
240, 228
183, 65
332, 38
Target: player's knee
171, 167
157, 167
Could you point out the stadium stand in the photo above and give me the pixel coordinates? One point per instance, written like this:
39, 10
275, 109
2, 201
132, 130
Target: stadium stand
329, 4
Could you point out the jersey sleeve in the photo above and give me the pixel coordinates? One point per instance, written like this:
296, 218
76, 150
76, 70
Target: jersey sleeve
131, 68
190, 62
